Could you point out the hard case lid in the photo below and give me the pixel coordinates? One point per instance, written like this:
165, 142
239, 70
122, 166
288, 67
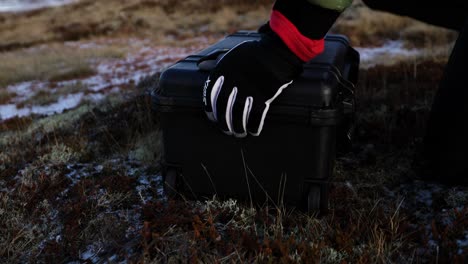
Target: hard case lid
325, 82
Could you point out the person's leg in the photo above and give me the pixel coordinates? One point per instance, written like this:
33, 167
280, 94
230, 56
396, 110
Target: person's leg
451, 14
445, 150
446, 141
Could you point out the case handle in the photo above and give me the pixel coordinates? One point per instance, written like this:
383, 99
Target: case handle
208, 62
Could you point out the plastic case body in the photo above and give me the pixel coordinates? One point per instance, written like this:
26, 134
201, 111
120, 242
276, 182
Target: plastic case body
292, 160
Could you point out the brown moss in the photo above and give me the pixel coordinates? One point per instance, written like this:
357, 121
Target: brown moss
43, 97
6, 96
79, 72
15, 124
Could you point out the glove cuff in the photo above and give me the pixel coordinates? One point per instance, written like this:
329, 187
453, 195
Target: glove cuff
311, 20
303, 47
280, 56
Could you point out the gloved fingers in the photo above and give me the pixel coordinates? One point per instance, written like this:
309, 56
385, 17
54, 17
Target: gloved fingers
210, 97
235, 114
240, 114
246, 114
223, 107
229, 109
215, 94
257, 121
255, 117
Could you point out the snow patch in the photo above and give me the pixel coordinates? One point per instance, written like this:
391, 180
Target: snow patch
462, 244
27, 5
385, 54
145, 186
90, 255
113, 75
64, 103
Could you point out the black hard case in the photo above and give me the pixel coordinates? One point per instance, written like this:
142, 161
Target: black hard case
291, 162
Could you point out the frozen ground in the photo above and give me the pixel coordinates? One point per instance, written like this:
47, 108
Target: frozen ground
386, 54
434, 203
117, 75
26, 5
435, 209
145, 187
112, 76
395, 51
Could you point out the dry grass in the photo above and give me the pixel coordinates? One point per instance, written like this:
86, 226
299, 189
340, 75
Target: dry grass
183, 19
37, 221
370, 219
104, 142
47, 216
149, 18
367, 228
52, 62
366, 27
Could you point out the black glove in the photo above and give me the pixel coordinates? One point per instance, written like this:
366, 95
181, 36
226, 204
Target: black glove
246, 80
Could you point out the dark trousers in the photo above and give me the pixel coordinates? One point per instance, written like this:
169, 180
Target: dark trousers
446, 141
445, 149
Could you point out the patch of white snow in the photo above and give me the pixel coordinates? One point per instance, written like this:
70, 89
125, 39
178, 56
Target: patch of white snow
64, 103
27, 5
112, 76
382, 55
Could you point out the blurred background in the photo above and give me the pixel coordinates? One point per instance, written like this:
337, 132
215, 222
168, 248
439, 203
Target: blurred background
86, 46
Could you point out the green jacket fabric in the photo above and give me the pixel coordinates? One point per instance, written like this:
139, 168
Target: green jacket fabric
338, 5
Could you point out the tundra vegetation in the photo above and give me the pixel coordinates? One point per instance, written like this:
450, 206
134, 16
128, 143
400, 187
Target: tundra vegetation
84, 184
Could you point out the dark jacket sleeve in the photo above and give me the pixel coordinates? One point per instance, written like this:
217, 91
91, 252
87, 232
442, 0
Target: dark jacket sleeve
313, 18
302, 24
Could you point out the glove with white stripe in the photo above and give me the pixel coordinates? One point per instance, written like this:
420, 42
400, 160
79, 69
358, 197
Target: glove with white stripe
246, 80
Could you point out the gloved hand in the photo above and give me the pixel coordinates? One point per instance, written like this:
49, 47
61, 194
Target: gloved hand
238, 93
